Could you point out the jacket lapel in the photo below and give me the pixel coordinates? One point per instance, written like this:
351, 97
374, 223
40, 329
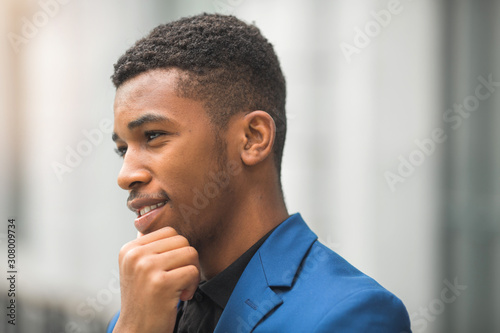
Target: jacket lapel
250, 301
253, 297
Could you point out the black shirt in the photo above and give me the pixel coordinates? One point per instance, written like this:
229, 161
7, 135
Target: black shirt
201, 314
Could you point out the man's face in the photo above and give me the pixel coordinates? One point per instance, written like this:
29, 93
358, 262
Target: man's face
169, 155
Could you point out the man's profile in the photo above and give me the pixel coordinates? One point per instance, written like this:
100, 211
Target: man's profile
200, 123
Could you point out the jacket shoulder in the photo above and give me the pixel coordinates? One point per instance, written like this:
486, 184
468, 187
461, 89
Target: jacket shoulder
334, 295
367, 310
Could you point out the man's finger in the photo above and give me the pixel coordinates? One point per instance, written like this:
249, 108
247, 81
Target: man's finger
188, 278
165, 244
177, 258
162, 233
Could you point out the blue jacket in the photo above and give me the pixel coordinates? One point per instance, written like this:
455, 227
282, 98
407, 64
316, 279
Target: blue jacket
296, 284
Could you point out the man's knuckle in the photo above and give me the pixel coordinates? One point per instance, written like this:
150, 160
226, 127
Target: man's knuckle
182, 241
193, 271
158, 280
144, 264
131, 256
123, 251
191, 253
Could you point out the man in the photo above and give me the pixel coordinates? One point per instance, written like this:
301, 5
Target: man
200, 124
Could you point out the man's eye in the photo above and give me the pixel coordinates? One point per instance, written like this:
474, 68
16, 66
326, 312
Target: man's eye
121, 151
153, 135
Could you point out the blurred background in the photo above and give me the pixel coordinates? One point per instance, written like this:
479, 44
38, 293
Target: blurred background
392, 152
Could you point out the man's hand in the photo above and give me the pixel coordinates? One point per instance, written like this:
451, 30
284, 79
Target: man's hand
156, 271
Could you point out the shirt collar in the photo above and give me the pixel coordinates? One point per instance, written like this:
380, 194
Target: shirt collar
220, 287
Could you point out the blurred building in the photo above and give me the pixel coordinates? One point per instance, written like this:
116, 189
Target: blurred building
391, 156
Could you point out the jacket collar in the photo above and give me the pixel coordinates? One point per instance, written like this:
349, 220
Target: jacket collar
253, 296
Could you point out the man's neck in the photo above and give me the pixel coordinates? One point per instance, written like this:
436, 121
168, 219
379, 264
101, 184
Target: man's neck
246, 227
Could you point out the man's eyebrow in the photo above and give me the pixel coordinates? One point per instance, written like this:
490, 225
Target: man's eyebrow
144, 119
147, 118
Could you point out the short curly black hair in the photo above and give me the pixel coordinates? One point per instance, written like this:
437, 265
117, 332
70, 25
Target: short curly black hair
229, 66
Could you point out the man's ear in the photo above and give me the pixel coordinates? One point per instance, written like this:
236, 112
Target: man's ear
260, 133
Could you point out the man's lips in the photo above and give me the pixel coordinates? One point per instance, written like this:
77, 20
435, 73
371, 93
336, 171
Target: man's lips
145, 205
148, 208
146, 221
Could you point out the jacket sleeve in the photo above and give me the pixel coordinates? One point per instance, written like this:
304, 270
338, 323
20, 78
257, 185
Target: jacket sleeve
371, 310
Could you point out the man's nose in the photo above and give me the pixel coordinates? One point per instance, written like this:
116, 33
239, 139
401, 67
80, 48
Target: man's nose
133, 171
